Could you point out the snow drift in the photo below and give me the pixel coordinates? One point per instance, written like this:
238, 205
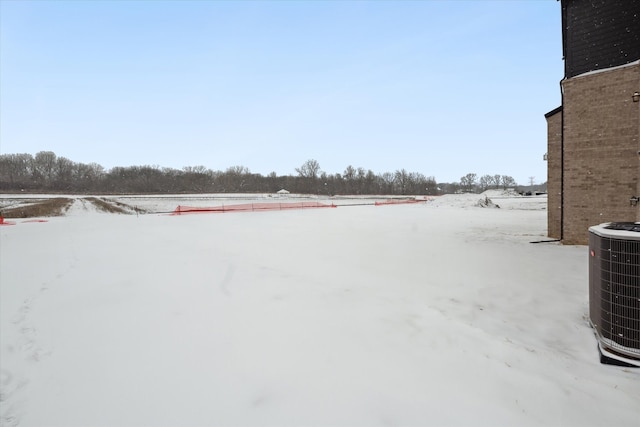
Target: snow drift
436, 313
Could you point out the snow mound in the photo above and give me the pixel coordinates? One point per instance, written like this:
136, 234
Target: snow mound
505, 199
508, 192
486, 202
455, 200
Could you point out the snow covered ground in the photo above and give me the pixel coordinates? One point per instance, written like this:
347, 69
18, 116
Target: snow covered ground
437, 313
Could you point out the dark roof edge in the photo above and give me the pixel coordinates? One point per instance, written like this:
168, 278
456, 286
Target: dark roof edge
553, 112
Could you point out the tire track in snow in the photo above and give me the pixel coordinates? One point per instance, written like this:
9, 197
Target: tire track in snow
226, 280
26, 346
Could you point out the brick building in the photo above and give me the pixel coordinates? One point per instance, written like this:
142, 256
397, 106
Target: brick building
594, 136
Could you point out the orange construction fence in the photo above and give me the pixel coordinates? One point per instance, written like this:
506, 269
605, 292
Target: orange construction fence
3, 222
250, 207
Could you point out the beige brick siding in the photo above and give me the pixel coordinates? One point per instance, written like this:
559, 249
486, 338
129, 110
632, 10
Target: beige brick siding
601, 144
554, 165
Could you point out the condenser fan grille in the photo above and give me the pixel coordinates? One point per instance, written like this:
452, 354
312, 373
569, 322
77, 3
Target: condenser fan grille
625, 226
614, 289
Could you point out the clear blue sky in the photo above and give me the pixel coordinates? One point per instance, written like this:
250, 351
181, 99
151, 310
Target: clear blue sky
443, 88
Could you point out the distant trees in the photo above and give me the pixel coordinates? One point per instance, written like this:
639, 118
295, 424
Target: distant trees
197, 177
470, 182
16, 168
47, 172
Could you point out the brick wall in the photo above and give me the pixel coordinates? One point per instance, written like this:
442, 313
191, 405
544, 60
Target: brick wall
599, 34
601, 144
554, 173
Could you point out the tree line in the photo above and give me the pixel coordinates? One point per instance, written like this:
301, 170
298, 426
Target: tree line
47, 172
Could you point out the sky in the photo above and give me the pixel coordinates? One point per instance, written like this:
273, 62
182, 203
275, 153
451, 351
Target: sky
443, 88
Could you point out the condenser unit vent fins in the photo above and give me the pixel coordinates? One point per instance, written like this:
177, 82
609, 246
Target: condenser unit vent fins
614, 288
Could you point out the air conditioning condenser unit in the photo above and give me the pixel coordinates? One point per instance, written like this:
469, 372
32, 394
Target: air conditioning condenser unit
614, 291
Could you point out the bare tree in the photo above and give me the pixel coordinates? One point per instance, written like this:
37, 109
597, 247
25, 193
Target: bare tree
508, 182
387, 179
196, 179
44, 164
468, 181
485, 182
496, 181
89, 177
15, 169
310, 169
402, 180
238, 170
369, 183
349, 173
349, 177
63, 172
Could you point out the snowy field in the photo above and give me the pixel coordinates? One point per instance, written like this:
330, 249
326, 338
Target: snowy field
429, 314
